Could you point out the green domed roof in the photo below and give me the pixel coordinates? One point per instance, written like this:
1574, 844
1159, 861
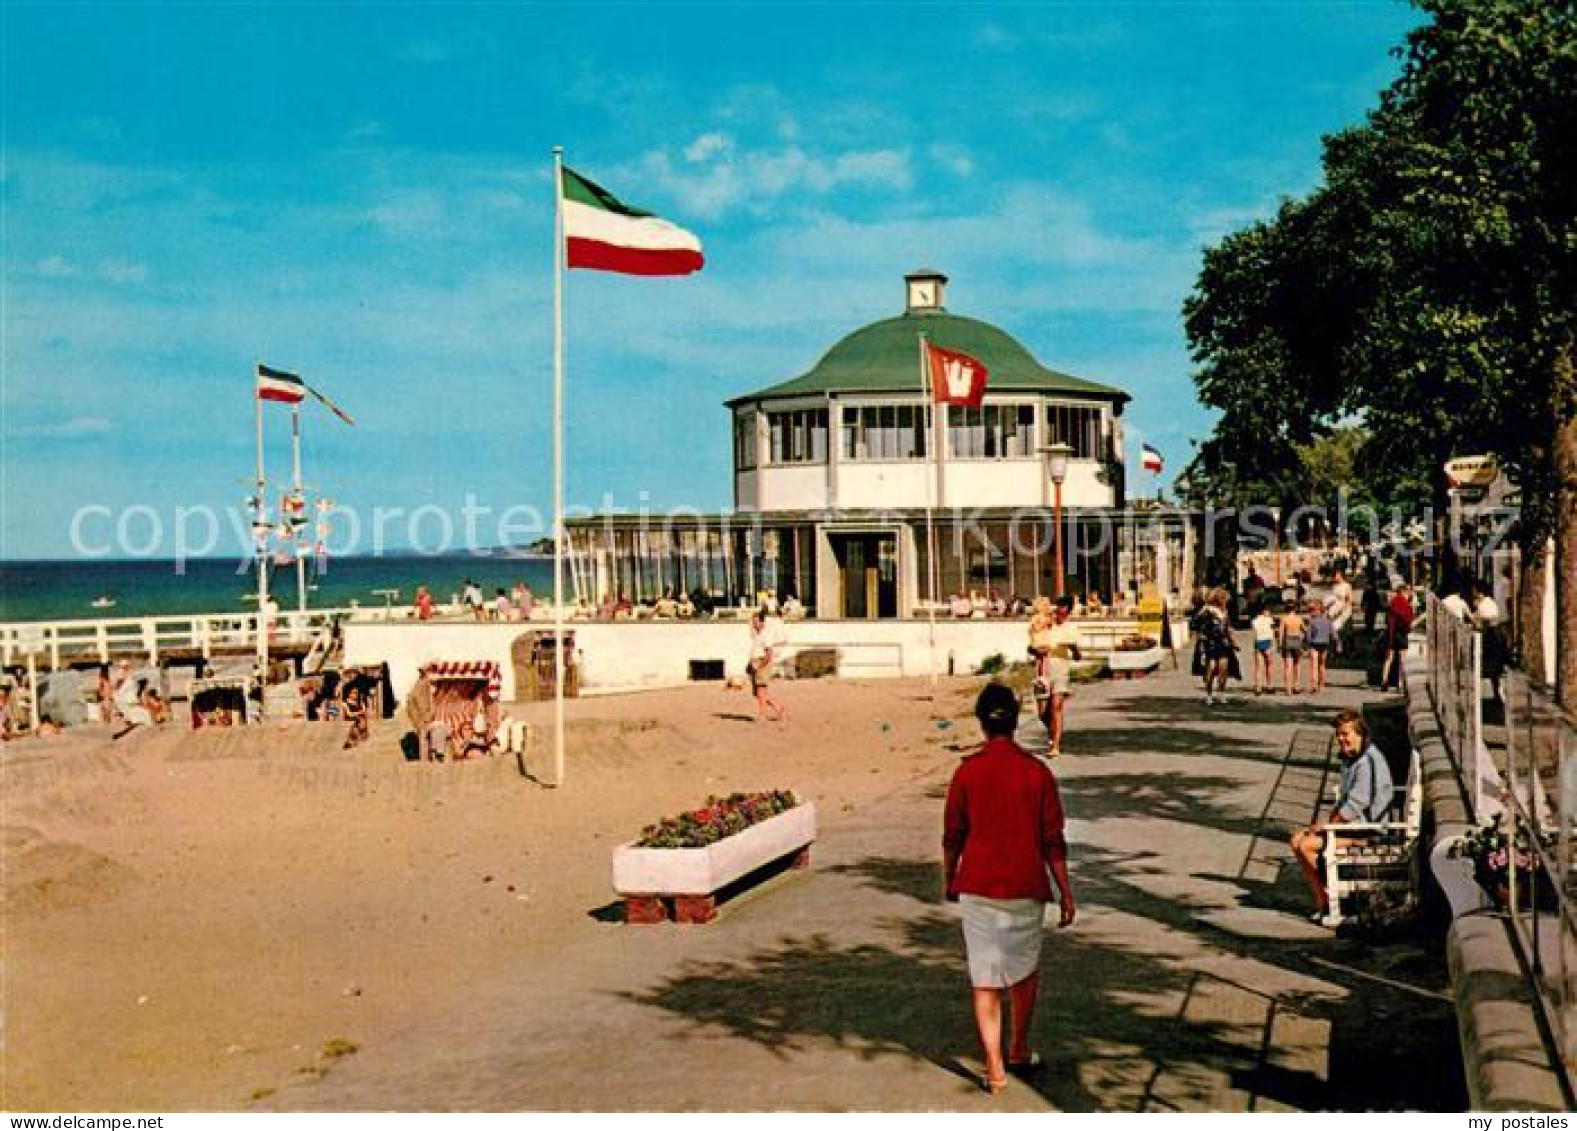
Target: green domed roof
884, 358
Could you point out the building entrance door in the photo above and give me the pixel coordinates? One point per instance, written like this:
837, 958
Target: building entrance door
868, 566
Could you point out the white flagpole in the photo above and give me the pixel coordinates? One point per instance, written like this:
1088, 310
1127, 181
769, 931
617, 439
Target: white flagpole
295, 494
558, 465
260, 544
928, 403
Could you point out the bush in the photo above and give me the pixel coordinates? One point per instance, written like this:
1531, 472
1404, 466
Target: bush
992, 664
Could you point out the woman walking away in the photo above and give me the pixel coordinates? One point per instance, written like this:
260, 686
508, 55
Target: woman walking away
1002, 836
1398, 624
1216, 648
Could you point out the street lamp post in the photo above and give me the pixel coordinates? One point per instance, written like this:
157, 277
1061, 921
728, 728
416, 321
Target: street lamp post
1056, 457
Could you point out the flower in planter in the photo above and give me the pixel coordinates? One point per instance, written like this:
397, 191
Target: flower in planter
1136, 643
719, 817
1495, 850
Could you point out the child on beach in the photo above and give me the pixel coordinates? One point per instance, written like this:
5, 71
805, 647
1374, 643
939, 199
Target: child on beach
1321, 633
1264, 626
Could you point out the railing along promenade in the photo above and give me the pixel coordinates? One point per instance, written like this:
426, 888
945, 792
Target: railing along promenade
63, 643
1534, 789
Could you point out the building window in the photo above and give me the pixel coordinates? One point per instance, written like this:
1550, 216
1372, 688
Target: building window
799, 436
885, 432
745, 441
993, 431
1079, 428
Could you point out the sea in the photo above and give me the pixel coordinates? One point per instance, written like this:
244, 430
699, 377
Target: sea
67, 590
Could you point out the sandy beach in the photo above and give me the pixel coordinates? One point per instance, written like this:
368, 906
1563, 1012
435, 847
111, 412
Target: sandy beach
192, 919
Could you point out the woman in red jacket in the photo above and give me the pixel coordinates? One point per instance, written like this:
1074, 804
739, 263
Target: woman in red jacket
1002, 837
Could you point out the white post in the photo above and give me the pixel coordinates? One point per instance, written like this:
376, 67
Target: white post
261, 545
32, 692
927, 405
558, 465
295, 495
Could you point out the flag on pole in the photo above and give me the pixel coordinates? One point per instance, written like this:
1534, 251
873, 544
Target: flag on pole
277, 385
1150, 459
602, 233
956, 378
332, 407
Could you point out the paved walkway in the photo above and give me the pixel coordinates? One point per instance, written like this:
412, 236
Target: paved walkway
1191, 981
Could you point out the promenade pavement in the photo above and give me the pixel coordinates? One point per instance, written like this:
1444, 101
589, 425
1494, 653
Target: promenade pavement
1192, 980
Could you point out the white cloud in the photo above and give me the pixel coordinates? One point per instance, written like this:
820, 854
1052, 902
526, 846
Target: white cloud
708, 145
995, 37
955, 159
76, 428
719, 178
56, 267
122, 271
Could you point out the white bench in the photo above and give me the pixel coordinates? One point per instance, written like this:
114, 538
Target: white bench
1374, 856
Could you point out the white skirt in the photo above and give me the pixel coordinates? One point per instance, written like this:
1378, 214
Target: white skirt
1002, 939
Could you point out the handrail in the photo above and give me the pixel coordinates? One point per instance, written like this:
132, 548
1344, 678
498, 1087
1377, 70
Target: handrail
1541, 765
102, 639
1539, 795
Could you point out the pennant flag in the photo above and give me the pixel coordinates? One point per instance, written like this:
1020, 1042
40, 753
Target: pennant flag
956, 378
277, 385
1150, 459
332, 407
602, 233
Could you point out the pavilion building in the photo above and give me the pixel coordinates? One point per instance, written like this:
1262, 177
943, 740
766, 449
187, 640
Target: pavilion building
848, 495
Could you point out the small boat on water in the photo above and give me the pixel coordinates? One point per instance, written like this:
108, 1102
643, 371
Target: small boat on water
104, 602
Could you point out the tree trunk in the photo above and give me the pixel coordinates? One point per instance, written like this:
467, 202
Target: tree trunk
1530, 604
1566, 556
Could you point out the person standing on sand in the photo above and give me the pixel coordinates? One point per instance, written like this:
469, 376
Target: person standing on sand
1002, 848
760, 668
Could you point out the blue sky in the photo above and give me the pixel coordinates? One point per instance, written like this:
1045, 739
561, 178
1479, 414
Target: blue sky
362, 194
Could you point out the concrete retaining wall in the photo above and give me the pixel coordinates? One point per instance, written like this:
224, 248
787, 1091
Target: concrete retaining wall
630, 655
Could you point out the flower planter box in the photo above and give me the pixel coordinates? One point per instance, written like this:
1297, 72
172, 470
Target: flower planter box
1134, 665
684, 882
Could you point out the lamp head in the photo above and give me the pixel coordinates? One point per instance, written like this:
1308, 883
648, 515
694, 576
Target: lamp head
1056, 456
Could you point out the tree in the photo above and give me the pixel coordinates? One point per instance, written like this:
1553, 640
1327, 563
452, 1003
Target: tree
1429, 286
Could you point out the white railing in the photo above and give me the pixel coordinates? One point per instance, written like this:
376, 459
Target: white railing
1541, 771
1455, 671
57, 644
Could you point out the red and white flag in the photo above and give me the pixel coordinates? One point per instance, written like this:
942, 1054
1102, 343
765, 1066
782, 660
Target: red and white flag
956, 378
277, 385
603, 233
1150, 459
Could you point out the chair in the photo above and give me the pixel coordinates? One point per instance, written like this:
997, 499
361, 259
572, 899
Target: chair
1368, 856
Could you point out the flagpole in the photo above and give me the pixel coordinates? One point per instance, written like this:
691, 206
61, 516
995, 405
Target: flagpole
558, 465
927, 404
295, 497
260, 544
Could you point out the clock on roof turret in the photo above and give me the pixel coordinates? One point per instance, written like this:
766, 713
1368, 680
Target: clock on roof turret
926, 291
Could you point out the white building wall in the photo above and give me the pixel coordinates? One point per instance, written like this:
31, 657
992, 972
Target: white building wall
632, 655
875, 485
801, 487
